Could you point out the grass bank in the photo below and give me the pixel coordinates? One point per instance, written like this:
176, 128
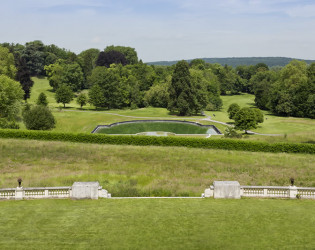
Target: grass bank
146, 170
157, 224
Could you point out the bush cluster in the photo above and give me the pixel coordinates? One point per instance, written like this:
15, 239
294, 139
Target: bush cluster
227, 144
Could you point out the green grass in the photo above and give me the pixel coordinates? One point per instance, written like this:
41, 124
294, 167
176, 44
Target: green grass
146, 170
134, 128
157, 224
75, 120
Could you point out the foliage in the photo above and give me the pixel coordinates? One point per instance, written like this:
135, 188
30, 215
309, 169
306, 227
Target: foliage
34, 55
225, 144
245, 119
129, 53
5, 124
233, 109
230, 82
38, 117
7, 66
109, 87
82, 99
11, 95
65, 73
182, 94
259, 115
24, 77
207, 89
230, 132
110, 57
64, 94
157, 96
87, 60
42, 99
262, 83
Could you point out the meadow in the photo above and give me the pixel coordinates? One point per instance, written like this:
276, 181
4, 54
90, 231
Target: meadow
157, 224
73, 119
146, 170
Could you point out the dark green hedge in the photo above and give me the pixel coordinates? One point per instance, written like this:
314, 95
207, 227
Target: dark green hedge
227, 144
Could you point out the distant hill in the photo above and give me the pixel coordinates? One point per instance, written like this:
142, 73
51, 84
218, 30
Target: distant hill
235, 61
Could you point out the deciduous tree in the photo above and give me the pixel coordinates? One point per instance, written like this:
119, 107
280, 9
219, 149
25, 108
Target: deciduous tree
64, 94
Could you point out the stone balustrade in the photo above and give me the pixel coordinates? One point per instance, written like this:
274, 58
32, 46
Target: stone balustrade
291, 192
79, 190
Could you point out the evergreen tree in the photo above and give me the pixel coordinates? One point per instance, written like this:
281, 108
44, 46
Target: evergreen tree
24, 77
38, 117
42, 99
182, 95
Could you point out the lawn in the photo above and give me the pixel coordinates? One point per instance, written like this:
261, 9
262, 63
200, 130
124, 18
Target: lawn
73, 119
157, 224
146, 170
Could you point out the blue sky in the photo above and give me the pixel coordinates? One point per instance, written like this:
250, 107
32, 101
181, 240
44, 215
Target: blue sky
166, 29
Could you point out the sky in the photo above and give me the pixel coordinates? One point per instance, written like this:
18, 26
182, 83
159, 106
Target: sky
162, 30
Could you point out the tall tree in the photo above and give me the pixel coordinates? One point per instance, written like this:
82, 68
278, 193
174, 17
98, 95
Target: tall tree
87, 60
233, 109
11, 95
7, 65
110, 57
245, 119
182, 95
129, 53
34, 55
65, 73
64, 94
24, 77
112, 86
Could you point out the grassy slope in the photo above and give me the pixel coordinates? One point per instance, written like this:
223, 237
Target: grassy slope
136, 170
296, 129
157, 224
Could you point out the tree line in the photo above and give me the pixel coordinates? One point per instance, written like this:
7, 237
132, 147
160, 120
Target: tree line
116, 78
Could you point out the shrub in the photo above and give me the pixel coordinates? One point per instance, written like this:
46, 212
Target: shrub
227, 144
4, 123
230, 132
42, 99
38, 118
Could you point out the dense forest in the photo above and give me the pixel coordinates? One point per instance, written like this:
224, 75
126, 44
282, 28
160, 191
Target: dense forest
116, 78
237, 61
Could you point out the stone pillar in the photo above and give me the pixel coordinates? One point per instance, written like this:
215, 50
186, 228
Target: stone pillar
208, 192
227, 189
265, 192
293, 192
85, 190
19, 193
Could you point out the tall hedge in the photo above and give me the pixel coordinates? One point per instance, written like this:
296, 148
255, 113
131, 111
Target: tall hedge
227, 144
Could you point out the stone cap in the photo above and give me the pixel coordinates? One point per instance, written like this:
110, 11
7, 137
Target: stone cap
89, 183
224, 183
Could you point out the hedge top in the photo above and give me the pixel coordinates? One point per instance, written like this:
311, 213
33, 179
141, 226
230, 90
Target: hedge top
226, 144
